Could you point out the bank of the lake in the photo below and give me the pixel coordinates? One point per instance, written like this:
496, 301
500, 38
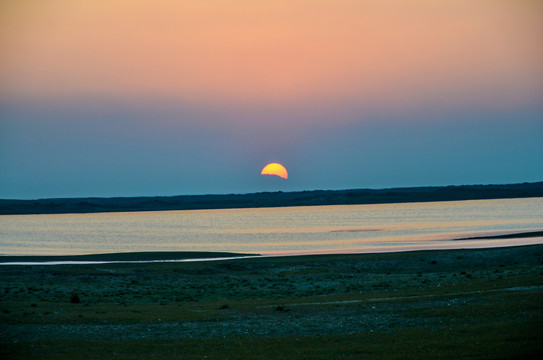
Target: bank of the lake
271, 199
456, 304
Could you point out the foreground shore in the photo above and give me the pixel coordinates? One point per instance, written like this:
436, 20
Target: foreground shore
455, 304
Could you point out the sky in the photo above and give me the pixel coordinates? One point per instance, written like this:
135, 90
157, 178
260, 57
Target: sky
166, 97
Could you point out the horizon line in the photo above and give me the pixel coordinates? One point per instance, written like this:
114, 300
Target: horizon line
276, 191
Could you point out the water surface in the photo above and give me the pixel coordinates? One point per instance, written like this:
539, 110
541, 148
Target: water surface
313, 229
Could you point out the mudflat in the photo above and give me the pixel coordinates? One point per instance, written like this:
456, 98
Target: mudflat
454, 304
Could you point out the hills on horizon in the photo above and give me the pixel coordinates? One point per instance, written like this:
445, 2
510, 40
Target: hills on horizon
271, 199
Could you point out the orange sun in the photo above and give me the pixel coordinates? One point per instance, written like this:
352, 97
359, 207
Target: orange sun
275, 169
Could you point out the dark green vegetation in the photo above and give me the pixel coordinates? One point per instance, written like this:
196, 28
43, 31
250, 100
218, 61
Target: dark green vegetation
272, 199
461, 304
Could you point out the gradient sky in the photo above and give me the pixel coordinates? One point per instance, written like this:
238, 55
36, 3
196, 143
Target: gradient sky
168, 97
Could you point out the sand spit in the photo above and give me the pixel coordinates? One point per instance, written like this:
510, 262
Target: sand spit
119, 258
518, 235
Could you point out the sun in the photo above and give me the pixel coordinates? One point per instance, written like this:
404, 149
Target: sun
275, 169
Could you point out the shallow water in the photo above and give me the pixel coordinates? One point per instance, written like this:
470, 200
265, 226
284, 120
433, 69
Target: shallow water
315, 229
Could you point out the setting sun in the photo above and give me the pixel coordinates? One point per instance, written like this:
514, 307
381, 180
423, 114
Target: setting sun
275, 169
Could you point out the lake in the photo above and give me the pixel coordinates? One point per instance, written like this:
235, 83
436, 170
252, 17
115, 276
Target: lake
287, 230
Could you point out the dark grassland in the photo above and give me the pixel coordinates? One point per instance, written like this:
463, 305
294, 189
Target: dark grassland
461, 304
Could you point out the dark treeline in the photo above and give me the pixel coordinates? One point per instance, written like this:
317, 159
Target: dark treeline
271, 199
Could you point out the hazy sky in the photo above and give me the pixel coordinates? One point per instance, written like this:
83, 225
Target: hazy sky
167, 97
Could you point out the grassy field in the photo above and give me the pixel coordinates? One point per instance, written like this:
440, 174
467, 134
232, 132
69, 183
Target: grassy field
461, 304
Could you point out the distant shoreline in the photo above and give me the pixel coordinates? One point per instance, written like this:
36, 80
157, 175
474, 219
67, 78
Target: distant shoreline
271, 199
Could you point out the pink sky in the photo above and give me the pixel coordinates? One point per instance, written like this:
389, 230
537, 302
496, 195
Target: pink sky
407, 53
287, 73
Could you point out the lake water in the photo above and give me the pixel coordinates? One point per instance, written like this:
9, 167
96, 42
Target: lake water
315, 229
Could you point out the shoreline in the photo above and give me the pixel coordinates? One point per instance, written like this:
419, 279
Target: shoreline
270, 199
387, 306
194, 256
525, 234
122, 257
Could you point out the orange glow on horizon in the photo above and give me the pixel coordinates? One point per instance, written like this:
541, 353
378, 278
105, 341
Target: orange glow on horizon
275, 169
273, 52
